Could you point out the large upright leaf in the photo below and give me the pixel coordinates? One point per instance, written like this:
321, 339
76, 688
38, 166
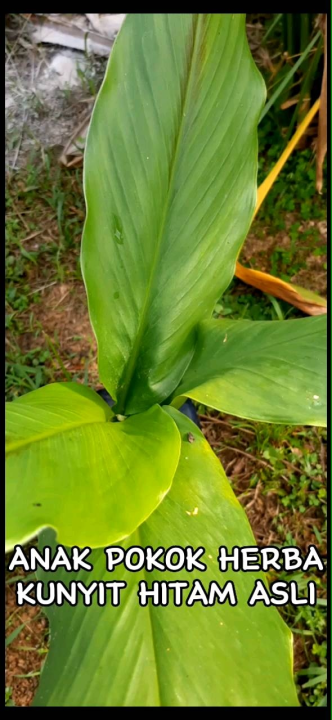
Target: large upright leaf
170, 656
170, 185
69, 468
273, 371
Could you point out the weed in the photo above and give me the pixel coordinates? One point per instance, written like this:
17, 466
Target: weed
43, 226
243, 303
8, 697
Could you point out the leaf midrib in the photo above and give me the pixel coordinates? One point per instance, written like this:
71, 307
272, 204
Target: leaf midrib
143, 321
12, 447
152, 631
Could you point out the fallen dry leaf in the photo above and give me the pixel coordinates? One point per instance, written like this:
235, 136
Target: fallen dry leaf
72, 155
307, 301
57, 32
266, 185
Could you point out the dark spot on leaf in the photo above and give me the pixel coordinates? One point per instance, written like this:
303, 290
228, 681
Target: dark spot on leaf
36, 504
117, 230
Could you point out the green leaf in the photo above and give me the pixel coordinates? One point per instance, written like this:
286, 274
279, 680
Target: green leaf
266, 371
170, 186
53, 409
173, 656
69, 468
322, 678
13, 635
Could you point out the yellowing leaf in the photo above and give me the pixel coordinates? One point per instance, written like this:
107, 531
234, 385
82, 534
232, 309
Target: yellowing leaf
266, 185
322, 125
309, 302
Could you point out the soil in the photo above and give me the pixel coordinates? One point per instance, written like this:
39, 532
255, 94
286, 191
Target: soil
26, 654
68, 322
43, 105
262, 507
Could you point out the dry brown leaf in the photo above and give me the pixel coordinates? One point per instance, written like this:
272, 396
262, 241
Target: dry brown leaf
288, 103
62, 33
307, 301
72, 155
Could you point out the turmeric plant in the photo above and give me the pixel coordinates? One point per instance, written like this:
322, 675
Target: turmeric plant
170, 181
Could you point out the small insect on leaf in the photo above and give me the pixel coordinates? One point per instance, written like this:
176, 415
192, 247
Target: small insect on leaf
191, 438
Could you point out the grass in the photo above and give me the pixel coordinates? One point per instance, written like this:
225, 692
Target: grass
244, 303
44, 215
300, 173
284, 467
